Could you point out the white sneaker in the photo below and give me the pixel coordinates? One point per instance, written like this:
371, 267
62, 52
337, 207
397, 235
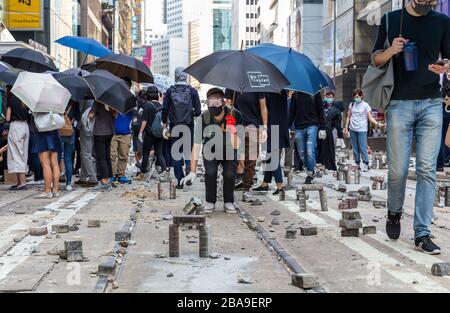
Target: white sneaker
69, 188
44, 195
209, 208
365, 168
247, 197
55, 194
230, 208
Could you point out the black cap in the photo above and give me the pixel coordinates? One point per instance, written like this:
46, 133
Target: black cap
215, 91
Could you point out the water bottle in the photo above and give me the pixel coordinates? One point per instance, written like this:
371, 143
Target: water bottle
411, 57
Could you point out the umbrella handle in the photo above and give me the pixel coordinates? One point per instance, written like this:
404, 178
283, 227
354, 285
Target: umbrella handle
52, 117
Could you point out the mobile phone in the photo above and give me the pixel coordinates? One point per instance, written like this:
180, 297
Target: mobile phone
442, 62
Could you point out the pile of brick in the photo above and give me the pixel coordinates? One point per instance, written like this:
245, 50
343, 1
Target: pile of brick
350, 223
364, 194
348, 204
378, 183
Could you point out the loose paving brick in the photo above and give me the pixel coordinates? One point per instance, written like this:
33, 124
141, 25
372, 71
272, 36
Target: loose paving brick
308, 231
38, 231
369, 230
351, 224
347, 215
441, 269
61, 229
305, 281
94, 223
108, 267
350, 232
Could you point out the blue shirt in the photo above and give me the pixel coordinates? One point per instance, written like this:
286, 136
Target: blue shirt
123, 124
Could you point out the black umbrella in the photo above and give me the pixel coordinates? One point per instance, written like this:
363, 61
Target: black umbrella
9, 77
90, 67
77, 72
124, 66
29, 60
76, 85
239, 71
111, 91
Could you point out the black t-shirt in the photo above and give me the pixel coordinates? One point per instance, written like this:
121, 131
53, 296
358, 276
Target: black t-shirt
150, 111
19, 112
248, 104
431, 33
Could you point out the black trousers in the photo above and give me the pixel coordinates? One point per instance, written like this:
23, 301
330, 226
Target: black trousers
102, 146
229, 177
149, 142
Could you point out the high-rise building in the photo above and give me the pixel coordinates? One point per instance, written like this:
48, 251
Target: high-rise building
153, 24
245, 16
273, 22
222, 24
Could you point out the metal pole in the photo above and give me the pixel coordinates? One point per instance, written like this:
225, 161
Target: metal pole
334, 41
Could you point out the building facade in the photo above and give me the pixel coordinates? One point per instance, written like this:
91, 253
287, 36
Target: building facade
246, 23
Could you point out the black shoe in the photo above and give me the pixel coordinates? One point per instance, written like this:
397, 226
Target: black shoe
261, 189
440, 169
239, 186
278, 191
426, 245
393, 226
309, 180
180, 186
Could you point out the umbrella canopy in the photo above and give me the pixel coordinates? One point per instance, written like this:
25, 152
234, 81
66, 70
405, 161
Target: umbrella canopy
41, 93
238, 70
76, 72
111, 91
76, 85
86, 45
124, 66
90, 67
162, 82
9, 77
330, 82
4, 66
29, 60
298, 68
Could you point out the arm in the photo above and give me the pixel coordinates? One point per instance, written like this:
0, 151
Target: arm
93, 111
8, 114
445, 54
195, 156
347, 121
292, 110
196, 102
338, 125
265, 119
166, 108
2, 150
372, 121
319, 107
447, 138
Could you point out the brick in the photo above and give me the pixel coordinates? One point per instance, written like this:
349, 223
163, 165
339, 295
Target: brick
291, 234
353, 194
377, 178
365, 198
352, 203
346, 215
38, 231
312, 187
108, 267
369, 230
60, 229
342, 188
94, 223
124, 234
192, 219
350, 232
441, 269
75, 256
364, 191
305, 281
343, 206
73, 245
308, 231
379, 204
351, 224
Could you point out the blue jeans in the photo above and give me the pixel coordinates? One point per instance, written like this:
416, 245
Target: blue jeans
359, 144
421, 119
68, 147
306, 145
277, 174
178, 164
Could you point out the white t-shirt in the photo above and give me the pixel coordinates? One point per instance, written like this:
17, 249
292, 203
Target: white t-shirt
359, 121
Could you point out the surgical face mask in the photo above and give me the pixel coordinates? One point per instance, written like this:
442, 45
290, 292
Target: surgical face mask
329, 100
357, 100
423, 8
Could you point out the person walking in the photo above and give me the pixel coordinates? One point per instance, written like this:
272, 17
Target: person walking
308, 114
444, 156
415, 110
150, 133
277, 105
88, 172
120, 147
357, 127
48, 146
104, 129
17, 114
181, 105
222, 127
67, 135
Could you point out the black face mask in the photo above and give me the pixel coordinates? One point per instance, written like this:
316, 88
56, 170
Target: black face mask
215, 111
422, 9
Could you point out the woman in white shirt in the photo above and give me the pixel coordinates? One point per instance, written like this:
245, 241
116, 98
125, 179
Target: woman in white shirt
357, 127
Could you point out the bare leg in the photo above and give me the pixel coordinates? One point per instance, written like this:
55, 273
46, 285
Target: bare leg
44, 157
55, 170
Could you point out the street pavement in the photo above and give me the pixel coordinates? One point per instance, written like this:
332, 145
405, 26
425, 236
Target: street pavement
370, 263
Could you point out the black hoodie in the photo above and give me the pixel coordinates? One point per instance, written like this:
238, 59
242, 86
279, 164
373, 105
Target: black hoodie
306, 110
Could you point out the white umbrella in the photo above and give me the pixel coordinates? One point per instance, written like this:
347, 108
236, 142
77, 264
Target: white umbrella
41, 93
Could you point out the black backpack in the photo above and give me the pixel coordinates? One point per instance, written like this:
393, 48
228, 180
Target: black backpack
182, 108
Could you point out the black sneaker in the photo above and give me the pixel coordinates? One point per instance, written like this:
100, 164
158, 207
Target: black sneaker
309, 180
278, 191
393, 226
239, 186
426, 245
180, 186
261, 189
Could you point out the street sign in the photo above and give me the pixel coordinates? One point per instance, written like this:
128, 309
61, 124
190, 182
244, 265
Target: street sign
24, 15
